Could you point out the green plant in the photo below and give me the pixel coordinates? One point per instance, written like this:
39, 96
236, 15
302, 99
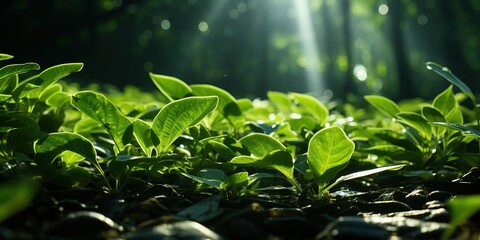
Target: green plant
201, 133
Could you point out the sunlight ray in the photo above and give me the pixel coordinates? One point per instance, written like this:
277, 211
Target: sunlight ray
315, 83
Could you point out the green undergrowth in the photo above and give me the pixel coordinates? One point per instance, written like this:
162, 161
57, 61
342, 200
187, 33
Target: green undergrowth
288, 144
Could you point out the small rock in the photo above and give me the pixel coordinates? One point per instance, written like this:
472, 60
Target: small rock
416, 199
354, 228
439, 195
177, 230
84, 223
434, 204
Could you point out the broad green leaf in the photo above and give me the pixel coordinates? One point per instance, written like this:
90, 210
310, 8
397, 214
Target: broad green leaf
59, 100
4, 97
363, 174
329, 151
433, 115
46, 78
260, 144
245, 104
175, 117
455, 116
461, 209
8, 84
280, 100
235, 181
54, 144
143, 134
15, 120
223, 150
445, 101
173, 88
447, 74
280, 160
299, 122
4, 56
383, 104
14, 197
313, 106
226, 102
465, 129
417, 122
100, 109
210, 177
13, 69
71, 159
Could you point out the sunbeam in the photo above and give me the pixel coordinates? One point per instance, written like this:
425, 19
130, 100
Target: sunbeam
309, 47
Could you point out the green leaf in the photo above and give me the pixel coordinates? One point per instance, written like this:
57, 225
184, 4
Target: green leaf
49, 147
433, 115
173, 88
4, 56
14, 197
235, 181
227, 105
329, 151
313, 106
447, 74
281, 101
45, 79
461, 209
210, 177
364, 174
143, 134
462, 128
259, 144
445, 101
383, 104
8, 84
455, 116
177, 116
417, 122
223, 150
13, 69
280, 160
100, 109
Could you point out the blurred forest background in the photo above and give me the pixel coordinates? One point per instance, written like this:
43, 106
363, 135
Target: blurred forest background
247, 47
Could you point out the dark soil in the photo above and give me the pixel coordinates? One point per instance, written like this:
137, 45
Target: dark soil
400, 208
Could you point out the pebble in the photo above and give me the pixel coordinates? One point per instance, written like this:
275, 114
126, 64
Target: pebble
84, 223
177, 230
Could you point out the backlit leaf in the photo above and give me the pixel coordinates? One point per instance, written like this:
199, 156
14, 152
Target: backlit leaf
329, 151
143, 134
383, 104
54, 144
226, 102
36, 85
260, 144
280, 160
4, 56
433, 115
417, 122
175, 117
100, 109
173, 88
313, 106
13, 69
364, 174
445, 101
447, 74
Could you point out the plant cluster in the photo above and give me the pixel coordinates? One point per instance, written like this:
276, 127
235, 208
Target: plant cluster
290, 143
